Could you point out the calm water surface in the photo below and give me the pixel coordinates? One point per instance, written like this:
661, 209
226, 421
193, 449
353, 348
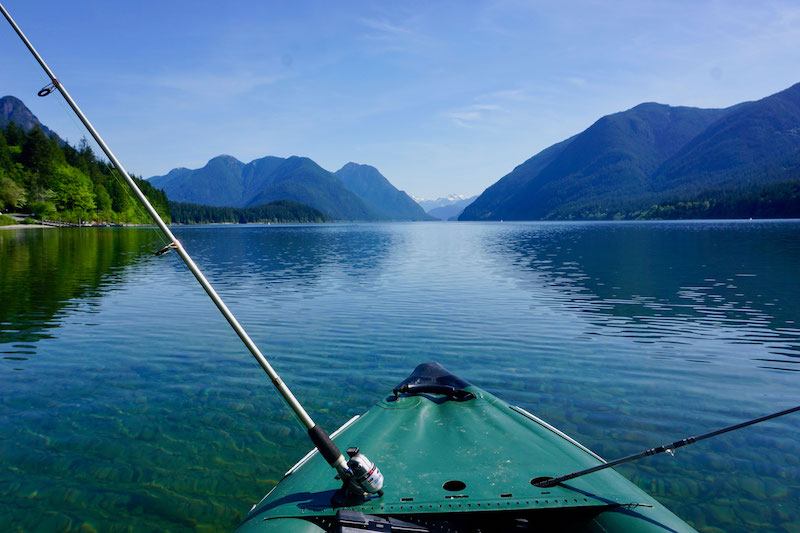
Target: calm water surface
128, 405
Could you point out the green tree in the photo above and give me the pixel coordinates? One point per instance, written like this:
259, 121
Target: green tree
37, 153
85, 159
120, 201
6, 162
12, 196
15, 135
73, 190
57, 155
102, 198
55, 180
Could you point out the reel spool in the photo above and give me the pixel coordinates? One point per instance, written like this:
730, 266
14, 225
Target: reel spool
366, 477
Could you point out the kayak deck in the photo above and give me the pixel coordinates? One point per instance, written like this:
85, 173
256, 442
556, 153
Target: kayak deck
460, 458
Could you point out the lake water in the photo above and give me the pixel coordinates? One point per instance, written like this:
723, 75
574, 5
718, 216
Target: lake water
128, 405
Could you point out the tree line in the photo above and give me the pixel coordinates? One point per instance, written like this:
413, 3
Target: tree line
781, 200
276, 212
51, 179
775, 200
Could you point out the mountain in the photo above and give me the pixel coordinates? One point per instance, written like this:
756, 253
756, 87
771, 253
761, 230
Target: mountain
754, 142
372, 187
219, 183
451, 211
12, 109
442, 201
302, 180
657, 160
609, 164
227, 182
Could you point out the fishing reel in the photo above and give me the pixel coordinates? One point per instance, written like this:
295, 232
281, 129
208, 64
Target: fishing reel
364, 478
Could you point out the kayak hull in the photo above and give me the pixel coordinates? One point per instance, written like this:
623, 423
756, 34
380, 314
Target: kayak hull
459, 459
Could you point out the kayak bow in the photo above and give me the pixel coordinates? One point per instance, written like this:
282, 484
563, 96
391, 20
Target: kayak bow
457, 458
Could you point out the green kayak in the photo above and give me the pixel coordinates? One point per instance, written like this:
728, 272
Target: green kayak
456, 458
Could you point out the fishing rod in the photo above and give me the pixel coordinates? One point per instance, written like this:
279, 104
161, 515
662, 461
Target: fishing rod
319, 437
669, 448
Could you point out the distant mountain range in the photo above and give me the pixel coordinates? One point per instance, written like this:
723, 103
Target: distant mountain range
651, 161
452, 210
653, 154
442, 201
354, 192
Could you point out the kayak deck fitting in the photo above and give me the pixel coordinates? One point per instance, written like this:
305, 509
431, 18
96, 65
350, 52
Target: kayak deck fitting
457, 458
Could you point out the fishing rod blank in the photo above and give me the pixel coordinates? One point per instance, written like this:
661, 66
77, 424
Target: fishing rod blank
661, 449
318, 436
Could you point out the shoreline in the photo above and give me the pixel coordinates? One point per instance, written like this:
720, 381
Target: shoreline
25, 226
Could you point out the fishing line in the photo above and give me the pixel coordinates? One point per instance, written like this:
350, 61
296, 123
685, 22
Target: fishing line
96, 149
111, 171
165, 245
133, 202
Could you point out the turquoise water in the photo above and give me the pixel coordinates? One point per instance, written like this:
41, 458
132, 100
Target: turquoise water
129, 405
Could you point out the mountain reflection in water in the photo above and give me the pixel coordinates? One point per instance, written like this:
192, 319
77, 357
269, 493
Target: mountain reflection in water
671, 285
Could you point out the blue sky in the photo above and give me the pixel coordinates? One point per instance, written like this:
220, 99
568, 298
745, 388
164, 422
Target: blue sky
441, 96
